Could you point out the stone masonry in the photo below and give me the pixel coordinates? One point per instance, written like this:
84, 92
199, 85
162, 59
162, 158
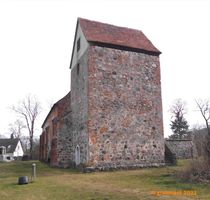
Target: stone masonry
125, 118
115, 118
183, 149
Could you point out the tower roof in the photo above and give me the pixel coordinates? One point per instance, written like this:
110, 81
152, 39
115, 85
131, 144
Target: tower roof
122, 37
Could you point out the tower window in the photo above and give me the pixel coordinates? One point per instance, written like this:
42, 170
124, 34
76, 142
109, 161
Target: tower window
78, 44
78, 68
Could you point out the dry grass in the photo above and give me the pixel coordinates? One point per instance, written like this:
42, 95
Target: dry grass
65, 184
196, 171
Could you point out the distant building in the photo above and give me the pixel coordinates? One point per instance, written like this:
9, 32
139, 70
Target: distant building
115, 107
10, 149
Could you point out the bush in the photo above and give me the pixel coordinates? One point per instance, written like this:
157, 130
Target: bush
25, 158
197, 171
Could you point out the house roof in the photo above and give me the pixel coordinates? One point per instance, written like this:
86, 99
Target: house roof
118, 36
10, 144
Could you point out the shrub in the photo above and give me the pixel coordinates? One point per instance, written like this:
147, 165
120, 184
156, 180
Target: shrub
196, 171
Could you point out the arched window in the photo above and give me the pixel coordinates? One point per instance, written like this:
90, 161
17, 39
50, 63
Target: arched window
77, 155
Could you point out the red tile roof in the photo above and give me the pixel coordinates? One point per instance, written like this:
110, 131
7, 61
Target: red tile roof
114, 35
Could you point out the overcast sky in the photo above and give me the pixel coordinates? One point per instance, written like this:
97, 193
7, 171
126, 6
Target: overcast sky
36, 38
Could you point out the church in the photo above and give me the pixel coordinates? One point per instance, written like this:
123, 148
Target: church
112, 116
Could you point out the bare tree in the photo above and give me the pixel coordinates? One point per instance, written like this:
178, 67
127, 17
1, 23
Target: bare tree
204, 108
25, 144
179, 106
29, 108
16, 128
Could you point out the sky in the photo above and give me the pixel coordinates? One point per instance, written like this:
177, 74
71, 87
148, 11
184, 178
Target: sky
36, 40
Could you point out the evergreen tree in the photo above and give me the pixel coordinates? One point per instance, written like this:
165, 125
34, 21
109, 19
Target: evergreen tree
179, 124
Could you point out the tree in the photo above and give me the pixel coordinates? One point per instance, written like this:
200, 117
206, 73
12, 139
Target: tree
36, 149
29, 109
179, 124
25, 144
204, 108
16, 128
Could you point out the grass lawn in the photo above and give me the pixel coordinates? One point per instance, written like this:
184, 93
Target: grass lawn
66, 184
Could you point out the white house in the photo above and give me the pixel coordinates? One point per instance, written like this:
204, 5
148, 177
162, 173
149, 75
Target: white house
10, 149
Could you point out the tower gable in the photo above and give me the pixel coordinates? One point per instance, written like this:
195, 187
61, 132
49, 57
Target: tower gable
106, 35
79, 47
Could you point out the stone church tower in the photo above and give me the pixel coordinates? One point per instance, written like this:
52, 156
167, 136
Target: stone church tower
116, 107
112, 118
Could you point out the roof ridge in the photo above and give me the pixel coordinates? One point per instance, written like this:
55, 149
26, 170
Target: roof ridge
108, 24
119, 36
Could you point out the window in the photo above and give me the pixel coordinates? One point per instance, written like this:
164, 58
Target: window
78, 68
54, 122
78, 44
46, 135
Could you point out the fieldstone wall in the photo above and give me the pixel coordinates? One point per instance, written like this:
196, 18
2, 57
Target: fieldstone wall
170, 156
54, 153
182, 148
79, 106
65, 142
53, 148
125, 122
